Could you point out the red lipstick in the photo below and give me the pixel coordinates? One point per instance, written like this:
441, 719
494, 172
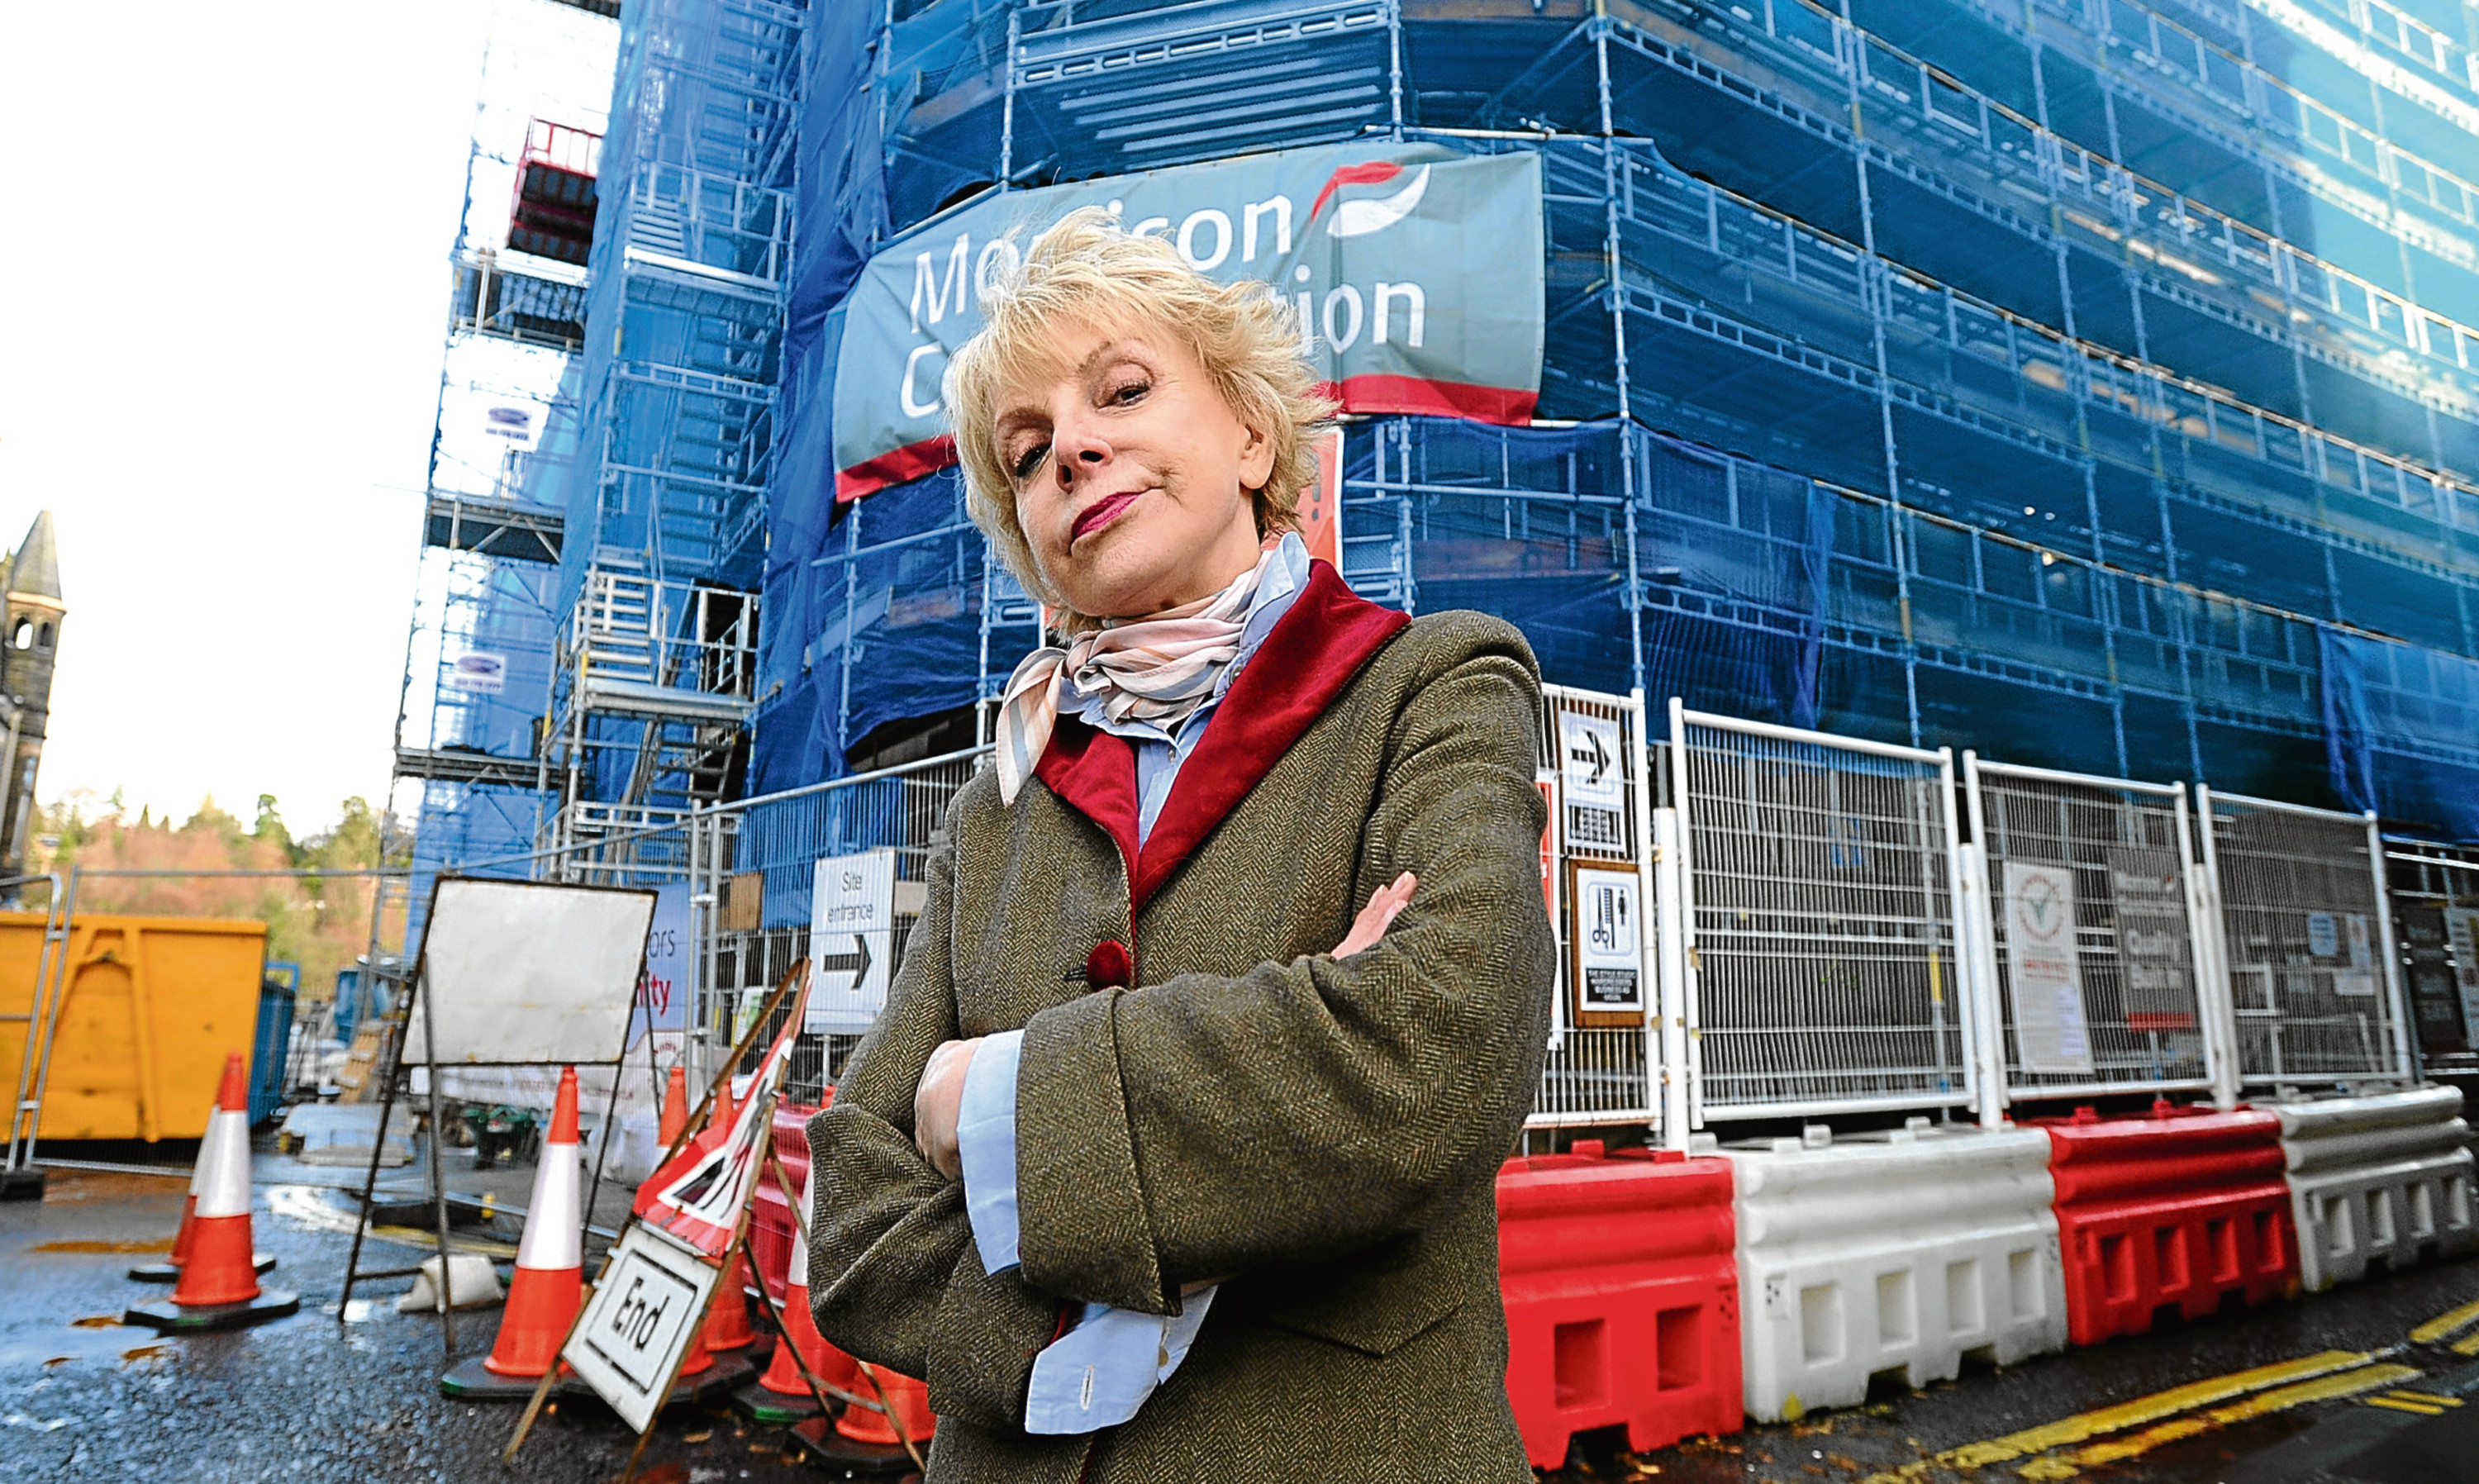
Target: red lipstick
1102, 512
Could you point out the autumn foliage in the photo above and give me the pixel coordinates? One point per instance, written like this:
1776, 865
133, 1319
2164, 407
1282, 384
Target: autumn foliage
320, 921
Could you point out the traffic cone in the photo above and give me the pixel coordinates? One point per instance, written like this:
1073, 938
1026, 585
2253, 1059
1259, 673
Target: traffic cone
782, 1396
170, 1270
726, 1319
863, 1438
218, 1285
675, 1107
550, 1282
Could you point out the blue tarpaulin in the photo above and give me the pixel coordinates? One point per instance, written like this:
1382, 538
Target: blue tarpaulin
2401, 731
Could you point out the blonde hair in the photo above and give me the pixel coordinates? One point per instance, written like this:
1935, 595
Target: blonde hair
1087, 267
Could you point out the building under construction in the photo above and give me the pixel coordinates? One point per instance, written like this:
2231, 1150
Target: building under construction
2090, 383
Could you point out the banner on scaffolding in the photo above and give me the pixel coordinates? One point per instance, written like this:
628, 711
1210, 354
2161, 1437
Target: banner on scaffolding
1415, 274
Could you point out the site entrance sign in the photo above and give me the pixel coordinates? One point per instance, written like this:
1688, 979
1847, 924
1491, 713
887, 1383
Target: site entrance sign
1415, 271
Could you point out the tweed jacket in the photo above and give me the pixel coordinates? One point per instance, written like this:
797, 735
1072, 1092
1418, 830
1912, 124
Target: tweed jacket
1320, 1134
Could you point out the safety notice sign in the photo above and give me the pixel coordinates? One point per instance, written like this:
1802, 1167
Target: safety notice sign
2049, 1029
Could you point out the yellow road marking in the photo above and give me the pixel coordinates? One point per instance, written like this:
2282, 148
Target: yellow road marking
2397, 1404
2467, 1345
2444, 1323
2347, 1384
2086, 1425
2432, 1398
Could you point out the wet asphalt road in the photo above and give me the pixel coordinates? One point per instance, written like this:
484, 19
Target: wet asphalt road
324, 1397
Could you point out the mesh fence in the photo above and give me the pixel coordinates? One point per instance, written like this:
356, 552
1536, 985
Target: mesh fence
2095, 953
1823, 925
2433, 891
2312, 986
1601, 1067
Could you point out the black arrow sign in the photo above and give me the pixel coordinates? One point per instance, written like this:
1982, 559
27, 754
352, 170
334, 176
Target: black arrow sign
1598, 756
856, 963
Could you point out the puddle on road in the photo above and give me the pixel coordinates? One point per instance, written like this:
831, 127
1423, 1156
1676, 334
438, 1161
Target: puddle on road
162, 1244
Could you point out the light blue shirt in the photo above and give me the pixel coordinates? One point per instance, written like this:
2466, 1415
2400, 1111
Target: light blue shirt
1100, 1373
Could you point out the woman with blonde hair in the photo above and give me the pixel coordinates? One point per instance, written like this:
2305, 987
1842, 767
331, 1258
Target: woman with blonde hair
1174, 1154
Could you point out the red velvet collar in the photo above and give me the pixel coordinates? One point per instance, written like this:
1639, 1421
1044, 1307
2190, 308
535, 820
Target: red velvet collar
1314, 652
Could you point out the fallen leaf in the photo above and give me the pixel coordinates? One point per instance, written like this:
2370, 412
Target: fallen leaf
96, 1321
163, 1245
665, 1474
1842, 1461
57, 1360
698, 1437
145, 1352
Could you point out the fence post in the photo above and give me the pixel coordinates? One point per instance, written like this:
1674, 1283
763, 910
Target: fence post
1975, 930
1976, 953
1683, 877
1651, 964
1957, 872
2404, 1066
1670, 903
2223, 1055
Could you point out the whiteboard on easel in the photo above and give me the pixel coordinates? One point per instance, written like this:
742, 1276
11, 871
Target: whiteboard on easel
527, 972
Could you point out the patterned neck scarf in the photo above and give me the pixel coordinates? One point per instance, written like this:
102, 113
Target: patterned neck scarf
1159, 669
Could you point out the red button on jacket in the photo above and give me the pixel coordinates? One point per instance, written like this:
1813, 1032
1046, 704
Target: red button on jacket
1109, 965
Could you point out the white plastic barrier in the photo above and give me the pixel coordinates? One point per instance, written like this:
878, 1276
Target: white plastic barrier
1903, 1252
2386, 1176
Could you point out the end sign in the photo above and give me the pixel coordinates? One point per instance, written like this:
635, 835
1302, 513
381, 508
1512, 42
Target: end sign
852, 940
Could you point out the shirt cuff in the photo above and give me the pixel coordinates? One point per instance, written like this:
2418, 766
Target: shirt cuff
1102, 1372
985, 1142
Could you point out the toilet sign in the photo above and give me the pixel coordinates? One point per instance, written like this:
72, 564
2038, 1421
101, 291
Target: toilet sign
1607, 941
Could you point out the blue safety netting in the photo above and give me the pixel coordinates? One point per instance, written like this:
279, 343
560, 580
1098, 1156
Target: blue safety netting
878, 618
882, 621
2401, 731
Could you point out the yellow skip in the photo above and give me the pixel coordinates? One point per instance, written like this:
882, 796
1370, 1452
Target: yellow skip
2347, 1384
2083, 1426
2444, 1323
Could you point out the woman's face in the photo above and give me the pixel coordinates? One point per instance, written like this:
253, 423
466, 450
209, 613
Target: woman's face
1131, 474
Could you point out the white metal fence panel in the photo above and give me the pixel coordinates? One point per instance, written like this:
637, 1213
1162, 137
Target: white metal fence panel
2306, 941
2096, 975
1821, 926
1594, 774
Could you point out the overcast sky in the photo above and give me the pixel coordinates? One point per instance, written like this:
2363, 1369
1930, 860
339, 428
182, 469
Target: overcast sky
226, 260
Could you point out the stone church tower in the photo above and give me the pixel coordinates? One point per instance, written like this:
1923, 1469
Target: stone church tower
30, 640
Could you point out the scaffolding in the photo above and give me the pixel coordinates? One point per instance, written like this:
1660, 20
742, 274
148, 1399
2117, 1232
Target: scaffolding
2081, 381
2089, 382
480, 649
664, 485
